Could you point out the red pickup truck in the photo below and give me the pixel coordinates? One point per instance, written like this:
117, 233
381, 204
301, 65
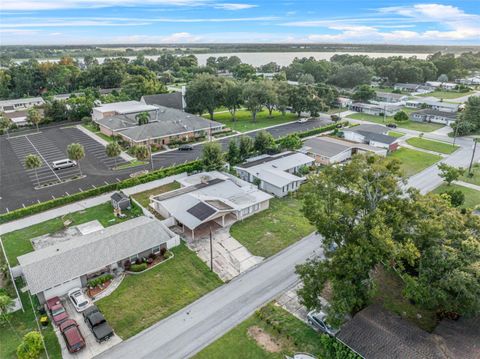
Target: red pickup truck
57, 311
72, 335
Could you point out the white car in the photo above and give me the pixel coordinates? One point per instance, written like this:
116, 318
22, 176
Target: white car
302, 120
78, 299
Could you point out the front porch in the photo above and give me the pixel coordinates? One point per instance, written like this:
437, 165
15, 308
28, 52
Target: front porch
203, 230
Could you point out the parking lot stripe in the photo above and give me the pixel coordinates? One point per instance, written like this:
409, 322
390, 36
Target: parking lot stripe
68, 194
106, 182
43, 158
53, 196
118, 179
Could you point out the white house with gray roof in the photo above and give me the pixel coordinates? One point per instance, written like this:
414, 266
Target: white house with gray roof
276, 174
56, 269
210, 199
20, 104
373, 135
432, 103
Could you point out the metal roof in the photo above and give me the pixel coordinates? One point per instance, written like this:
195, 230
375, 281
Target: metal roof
62, 262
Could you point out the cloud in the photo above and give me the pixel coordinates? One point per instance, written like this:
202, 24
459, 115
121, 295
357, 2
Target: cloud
72, 23
179, 37
232, 6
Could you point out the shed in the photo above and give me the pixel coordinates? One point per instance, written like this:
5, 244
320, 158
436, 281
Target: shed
120, 201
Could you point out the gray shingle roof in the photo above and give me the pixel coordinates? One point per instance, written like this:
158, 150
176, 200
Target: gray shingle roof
432, 112
324, 147
172, 100
368, 128
377, 137
376, 333
50, 266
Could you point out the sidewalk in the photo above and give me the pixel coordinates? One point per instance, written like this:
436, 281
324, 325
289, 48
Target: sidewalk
80, 205
468, 185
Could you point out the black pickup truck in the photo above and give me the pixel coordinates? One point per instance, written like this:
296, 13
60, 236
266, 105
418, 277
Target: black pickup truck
97, 324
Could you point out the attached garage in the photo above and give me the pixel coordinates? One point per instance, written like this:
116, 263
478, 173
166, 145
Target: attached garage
62, 289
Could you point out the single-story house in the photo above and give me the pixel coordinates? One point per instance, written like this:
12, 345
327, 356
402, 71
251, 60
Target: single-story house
432, 103
435, 116
472, 80
376, 333
120, 108
54, 270
276, 174
418, 88
343, 102
329, 150
390, 97
374, 135
66, 96
449, 86
165, 125
374, 109
174, 100
20, 104
19, 118
210, 199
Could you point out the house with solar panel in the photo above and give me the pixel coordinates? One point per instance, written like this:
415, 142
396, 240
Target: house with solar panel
209, 201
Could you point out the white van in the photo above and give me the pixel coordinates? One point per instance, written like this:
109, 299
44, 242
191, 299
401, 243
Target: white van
58, 165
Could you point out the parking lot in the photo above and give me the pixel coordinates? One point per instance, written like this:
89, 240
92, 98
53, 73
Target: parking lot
92, 348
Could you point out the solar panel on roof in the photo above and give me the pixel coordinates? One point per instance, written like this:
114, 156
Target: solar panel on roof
201, 211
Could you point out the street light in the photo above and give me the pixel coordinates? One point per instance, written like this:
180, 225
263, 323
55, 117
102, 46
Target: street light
475, 140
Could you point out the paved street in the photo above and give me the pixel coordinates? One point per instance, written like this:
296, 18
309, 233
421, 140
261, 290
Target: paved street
17, 185
189, 330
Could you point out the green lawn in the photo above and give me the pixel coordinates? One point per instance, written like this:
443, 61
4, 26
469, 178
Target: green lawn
142, 300
131, 164
144, 197
447, 94
24, 322
413, 161
18, 242
245, 123
93, 129
409, 125
395, 134
389, 288
475, 179
288, 334
274, 229
472, 196
436, 146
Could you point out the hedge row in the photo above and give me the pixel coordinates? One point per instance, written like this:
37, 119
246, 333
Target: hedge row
130, 182
319, 130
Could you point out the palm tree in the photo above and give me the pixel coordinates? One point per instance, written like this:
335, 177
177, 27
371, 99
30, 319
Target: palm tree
142, 118
76, 152
113, 150
34, 117
141, 152
33, 162
5, 124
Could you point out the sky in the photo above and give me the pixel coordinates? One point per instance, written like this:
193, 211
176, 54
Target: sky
41, 22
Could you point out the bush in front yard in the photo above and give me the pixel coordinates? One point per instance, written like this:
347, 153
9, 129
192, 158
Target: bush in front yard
138, 267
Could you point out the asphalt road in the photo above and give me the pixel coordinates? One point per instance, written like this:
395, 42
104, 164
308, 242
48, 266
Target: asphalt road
191, 329
17, 185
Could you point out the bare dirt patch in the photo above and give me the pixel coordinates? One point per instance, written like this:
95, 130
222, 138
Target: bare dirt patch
264, 339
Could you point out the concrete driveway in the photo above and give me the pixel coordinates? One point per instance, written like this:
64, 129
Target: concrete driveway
92, 348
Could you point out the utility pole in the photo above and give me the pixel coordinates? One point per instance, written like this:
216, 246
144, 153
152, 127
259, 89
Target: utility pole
473, 155
150, 153
211, 250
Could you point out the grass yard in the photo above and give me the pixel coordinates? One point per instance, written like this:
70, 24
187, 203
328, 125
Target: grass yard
472, 196
131, 164
447, 94
395, 134
144, 197
475, 179
143, 299
24, 322
93, 129
431, 145
18, 242
274, 229
413, 161
409, 125
244, 121
389, 293
271, 333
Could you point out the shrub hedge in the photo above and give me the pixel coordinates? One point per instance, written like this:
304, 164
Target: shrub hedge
130, 182
99, 280
138, 267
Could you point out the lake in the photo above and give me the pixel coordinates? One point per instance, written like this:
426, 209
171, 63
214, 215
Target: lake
282, 58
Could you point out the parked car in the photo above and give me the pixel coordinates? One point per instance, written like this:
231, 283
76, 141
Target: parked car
97, 324
66, 163
185, 148
302, 120
72, 335
78, 299
391, 125
317, 322
57, 310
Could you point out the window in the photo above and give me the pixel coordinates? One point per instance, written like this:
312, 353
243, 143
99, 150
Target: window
156, 249
256, 207
133, 258
245, 211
